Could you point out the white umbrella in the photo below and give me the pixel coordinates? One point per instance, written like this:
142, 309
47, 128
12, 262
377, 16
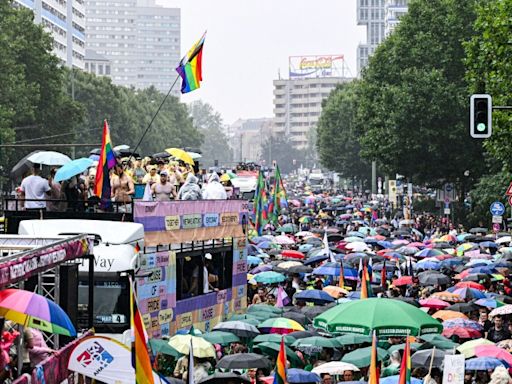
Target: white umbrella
49, 158
504, 310
121, 147
334, 368
504, 239
283, 240
304, 234
357, 247
195, 155
201, 347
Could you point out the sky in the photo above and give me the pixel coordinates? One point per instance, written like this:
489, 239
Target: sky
249, 41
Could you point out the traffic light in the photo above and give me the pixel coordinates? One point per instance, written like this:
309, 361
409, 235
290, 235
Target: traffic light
480, 126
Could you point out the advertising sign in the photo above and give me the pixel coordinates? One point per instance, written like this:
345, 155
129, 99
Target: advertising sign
316, 66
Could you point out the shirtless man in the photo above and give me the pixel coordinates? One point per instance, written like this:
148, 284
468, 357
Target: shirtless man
164, 189
122, 186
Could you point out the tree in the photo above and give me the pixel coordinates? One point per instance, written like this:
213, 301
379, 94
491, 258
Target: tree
281, 150
413, 99
490, 71
209, 122
337, 141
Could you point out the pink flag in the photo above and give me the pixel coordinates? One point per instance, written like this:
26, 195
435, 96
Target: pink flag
282, 298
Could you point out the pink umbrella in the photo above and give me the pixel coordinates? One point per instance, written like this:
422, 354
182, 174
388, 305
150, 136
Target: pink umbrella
494, 351
434, 303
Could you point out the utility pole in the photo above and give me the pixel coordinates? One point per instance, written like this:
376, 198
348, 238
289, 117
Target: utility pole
374, 177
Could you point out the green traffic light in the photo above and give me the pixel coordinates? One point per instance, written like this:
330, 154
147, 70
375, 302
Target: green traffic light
480, 127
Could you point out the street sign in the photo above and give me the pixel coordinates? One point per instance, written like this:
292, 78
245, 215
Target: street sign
447, 211
509, 190
496, 227
497, 209
510, 200
497, 219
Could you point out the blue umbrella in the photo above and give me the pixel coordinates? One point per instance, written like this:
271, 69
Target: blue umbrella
259, 239
265, 245
261, 268
94, 157
394, 380
252, 249
305, 248
253, 260
385, 244
451, 262
330, 269
488, 244
315, 259
295, 375
467, 293
73, 168
314, 296
427, 265
269, 277
485, 270
489, 303
482, 364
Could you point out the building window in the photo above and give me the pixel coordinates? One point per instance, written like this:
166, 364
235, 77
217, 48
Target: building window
93, 68
100, 69
87, 67
107, 69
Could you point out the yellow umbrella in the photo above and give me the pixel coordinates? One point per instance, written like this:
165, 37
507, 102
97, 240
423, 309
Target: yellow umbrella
181, 155
201, 347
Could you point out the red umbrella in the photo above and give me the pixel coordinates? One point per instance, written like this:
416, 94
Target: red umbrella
434, 303
470, 284
404, 280
292, 254
463, 333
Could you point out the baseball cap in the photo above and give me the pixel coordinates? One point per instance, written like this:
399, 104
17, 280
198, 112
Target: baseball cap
208, 256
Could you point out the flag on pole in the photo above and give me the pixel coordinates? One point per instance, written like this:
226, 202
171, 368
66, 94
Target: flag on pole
106, 162
373, 374
366, 288
261, 204
406, 366
190, 374
327, 250
190, 67
278, 195
370, 269
140, 354
280, 371
282, 298
342, 275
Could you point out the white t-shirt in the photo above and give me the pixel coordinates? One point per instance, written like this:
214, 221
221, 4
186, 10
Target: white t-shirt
206, 285
35, 188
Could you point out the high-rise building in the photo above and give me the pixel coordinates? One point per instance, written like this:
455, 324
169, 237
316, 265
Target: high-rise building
139, 38
395, 9
65, 20
247, 137
370, 13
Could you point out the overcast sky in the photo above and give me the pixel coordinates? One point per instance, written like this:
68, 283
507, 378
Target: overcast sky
249, 41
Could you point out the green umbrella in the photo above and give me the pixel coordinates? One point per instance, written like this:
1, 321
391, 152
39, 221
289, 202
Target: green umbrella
385, 316
272, 349
361, 357
257, 308
438, 341
288, 228
317, 341
244, 316
220, 337
162, 346
274, 338
400, 347
269, 277
353, 339
254, 322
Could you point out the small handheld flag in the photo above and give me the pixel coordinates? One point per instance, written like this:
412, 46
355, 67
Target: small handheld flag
106, 162
405, 367
342, 275
190, 67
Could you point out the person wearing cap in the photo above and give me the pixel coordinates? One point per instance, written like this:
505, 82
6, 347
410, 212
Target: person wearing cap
210, 278
164, 189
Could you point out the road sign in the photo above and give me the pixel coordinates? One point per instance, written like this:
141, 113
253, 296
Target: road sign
496, 227
447, 211
510, 200
509, 190
497, 219
497, 209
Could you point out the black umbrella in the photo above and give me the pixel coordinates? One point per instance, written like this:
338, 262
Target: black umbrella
476, 277
422, 358
408, 300
244, 361
297, 316
303, 334
23, 166
300, 269
224, 378
433, 279
478, 230
463, 307
161, 155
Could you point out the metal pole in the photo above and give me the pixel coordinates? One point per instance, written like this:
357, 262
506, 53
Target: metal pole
90, 305
374, 177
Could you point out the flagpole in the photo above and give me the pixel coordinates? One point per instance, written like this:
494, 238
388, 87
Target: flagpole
154, 116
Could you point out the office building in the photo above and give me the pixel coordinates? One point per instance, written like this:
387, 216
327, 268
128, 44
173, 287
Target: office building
65, 20
395, 9
370, 13
140, 39
97, 64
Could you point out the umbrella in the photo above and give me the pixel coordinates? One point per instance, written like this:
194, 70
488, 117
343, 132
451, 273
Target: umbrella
489, 303
404, 280
314, 296
467, 293
423, 358
295, 375
289, 264
238, 328
254, 260
357, 247
227, 176
269, 277
220, 337
283, 240
304, 234
395, 380
447, 296
468, 348
493, 351
316, 341
272, 349
291, 254
503, 310
401, 347
434, 303
288, 228
225, 377
387, 317
162, 346
470, 284
361, 357
244, 361
256, 309
437, 341
300, 269
427, 252
463, 333
448, 315
274, 338
201, 347
463, 307
433, 278
297, 316
334, 368
23, 166
280, 325
49, 158
335, 291
353, 339
180, 154
329, 268
32, 310
461, 322
483, 363
302, 334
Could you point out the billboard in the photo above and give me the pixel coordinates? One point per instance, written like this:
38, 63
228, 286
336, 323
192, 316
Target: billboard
316, 66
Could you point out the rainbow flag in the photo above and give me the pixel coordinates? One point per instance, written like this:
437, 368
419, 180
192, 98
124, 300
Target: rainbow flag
278, 195
190, 68
106, 162
373, 373
140, 354
261, 204
342, 275
280, 371
405, 367
366, 287
383, 277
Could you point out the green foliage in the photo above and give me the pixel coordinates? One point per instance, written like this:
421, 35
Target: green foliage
281, 149
337, 141
489, 65
413, 100
209, 122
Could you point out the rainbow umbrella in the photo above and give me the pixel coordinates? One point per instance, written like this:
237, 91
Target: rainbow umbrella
280, 325
32, 310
